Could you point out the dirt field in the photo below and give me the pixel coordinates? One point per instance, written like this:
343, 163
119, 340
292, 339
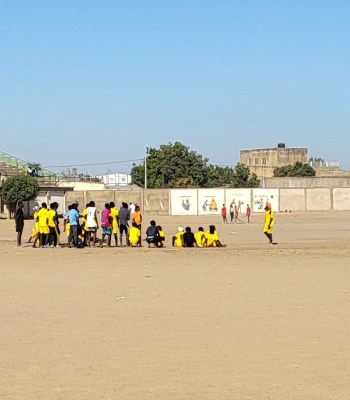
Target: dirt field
249, 321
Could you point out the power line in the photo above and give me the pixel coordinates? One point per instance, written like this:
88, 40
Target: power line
92, 164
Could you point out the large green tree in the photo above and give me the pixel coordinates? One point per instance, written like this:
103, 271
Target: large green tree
243, 178
298, 169
172, 165
18, 188
176, 166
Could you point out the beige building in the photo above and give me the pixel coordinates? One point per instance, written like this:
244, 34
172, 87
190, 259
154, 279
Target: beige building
262, 162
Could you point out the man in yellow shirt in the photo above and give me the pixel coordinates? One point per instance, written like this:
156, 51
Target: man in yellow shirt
269, 222
52, 223
200, 237
178, 238
134, 235
115, 217
212, 238
137, 219
43, 219
161, 236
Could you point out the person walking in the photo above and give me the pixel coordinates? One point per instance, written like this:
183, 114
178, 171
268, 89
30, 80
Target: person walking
269, 222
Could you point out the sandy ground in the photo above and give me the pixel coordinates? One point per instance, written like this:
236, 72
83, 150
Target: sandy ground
249, 321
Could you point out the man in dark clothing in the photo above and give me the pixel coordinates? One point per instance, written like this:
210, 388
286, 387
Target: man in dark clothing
152, 234
19, 219
188, 238
124, 217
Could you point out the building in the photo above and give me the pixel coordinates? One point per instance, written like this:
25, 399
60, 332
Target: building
262, 162
115, 179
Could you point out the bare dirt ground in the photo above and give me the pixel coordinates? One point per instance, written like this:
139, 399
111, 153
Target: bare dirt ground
249, 321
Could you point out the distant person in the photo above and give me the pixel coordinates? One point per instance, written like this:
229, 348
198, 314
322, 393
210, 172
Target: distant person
178, 237
35, 230
161, 234
200, 237
235, 215
53, 221
137, 219
115, 218
73, 217
269, 222
124, 217
91, 222
212, 238
224, 214
134, 236
188, 238
19, 220
152, 234
232, 212
43, 220
248, 213
106, 225
132, 208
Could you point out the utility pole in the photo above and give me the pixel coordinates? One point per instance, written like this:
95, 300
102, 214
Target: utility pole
146, 168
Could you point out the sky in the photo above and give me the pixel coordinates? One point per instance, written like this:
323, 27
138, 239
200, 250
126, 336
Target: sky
95, 82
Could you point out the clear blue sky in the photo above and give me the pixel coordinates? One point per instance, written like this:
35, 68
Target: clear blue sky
86, 81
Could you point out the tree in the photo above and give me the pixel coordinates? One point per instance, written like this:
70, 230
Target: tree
18, 188
172, 165
176, 166
243, 179
298, 169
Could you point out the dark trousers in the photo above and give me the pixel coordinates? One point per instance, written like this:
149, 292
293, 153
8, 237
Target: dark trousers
53, 236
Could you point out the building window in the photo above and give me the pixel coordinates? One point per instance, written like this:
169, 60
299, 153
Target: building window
256, 161
250, 161
263, 161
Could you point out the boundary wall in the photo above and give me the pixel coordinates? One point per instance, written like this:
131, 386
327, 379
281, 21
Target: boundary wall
202, 201
210, 201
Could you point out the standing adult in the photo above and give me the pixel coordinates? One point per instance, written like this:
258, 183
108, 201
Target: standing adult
124, 217
91, 223
224, 214
115, 217
269, 222
248, 213
19, 219
232, 211
73, 217
43, 219
137, 219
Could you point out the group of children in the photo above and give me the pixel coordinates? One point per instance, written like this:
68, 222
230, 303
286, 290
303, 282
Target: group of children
81, 228
234, 214
186, 238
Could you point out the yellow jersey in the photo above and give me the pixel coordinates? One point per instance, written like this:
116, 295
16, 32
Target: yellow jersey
211, 239
178, 239
200, 238
43, 220
51, 216
114, 214
134, 235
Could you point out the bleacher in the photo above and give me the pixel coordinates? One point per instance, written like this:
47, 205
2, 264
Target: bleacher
10, 165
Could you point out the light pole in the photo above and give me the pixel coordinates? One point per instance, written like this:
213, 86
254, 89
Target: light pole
146, 168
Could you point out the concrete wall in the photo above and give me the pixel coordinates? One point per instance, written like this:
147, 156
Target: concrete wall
292, 199
306, 182
318, 199
341, 199
156, 201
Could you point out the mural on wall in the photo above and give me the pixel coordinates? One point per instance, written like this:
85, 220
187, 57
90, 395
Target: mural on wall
262, 196
210, 201
183, 201
239, 198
